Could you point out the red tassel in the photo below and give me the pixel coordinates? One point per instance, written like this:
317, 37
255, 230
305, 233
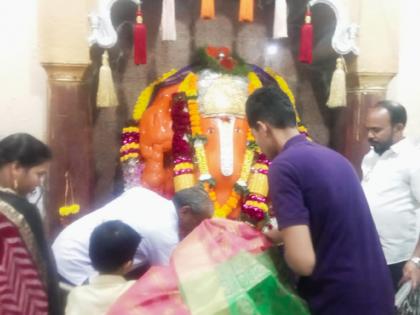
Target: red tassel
306, 40
140, 40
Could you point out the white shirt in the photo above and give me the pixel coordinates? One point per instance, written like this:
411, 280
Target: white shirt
391, 182
149, 214
97, 297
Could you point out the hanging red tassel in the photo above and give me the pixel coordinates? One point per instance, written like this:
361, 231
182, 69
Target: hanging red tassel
306, 39
140, 40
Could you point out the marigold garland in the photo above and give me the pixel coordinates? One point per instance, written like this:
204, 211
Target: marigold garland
189, 87
254, 82
65, 211
130, 144
285, 88
183, 168
144, 98
69, 208
130, 156
255, 207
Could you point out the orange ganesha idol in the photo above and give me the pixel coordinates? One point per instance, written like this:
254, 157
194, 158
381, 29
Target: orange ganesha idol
191, 128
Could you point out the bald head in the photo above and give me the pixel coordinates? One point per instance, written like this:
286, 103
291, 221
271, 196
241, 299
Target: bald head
193, 205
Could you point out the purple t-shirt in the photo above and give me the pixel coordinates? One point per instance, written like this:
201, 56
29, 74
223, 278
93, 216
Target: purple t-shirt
315, 186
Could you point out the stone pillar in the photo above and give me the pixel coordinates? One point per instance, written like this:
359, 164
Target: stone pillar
369, 73
363, 90
64, 51
70, 138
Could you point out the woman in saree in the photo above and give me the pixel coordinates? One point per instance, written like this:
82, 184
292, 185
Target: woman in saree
28, 283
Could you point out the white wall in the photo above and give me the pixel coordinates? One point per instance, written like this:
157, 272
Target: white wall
23, 82
405, 87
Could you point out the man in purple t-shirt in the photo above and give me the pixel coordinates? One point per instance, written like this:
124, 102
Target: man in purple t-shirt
324, 221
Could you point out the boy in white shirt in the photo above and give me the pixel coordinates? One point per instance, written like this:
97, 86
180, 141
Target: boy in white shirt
111, 250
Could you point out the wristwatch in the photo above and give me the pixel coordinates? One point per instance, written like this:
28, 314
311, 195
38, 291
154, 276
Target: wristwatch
416, 261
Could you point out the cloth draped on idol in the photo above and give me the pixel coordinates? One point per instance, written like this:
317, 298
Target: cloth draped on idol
222, 267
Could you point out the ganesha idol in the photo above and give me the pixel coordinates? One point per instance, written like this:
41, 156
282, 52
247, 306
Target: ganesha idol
190, 127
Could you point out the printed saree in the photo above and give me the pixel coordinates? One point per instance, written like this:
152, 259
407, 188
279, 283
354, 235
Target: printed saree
223, 267
27, 277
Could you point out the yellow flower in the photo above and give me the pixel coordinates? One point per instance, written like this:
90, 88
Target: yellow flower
63, 211
130, 129
249, 135
254, 82
144, 97
285, 88
129, 146
75, 208
246, 165
261, 205
183, 166
232, 202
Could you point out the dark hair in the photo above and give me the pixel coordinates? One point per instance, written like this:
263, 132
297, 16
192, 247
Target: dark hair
25, 149
270, 105
195, 197
396, 111
112, 244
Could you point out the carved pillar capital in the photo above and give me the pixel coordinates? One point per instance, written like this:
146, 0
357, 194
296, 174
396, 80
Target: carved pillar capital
66, 72
369, 81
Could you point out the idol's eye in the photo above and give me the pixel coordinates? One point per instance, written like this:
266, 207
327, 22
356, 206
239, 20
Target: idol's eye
238, 130
211, 130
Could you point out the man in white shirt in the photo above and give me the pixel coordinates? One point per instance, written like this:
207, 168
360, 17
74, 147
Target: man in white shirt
391, 181
155, 218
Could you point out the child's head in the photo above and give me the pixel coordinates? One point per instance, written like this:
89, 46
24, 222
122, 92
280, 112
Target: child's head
112, 247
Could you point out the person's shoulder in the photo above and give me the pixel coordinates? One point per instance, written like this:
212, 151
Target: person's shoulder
300, 154
408, 153
282, 166
369, 155
145, 196
410, 148
78, 294
20, 203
